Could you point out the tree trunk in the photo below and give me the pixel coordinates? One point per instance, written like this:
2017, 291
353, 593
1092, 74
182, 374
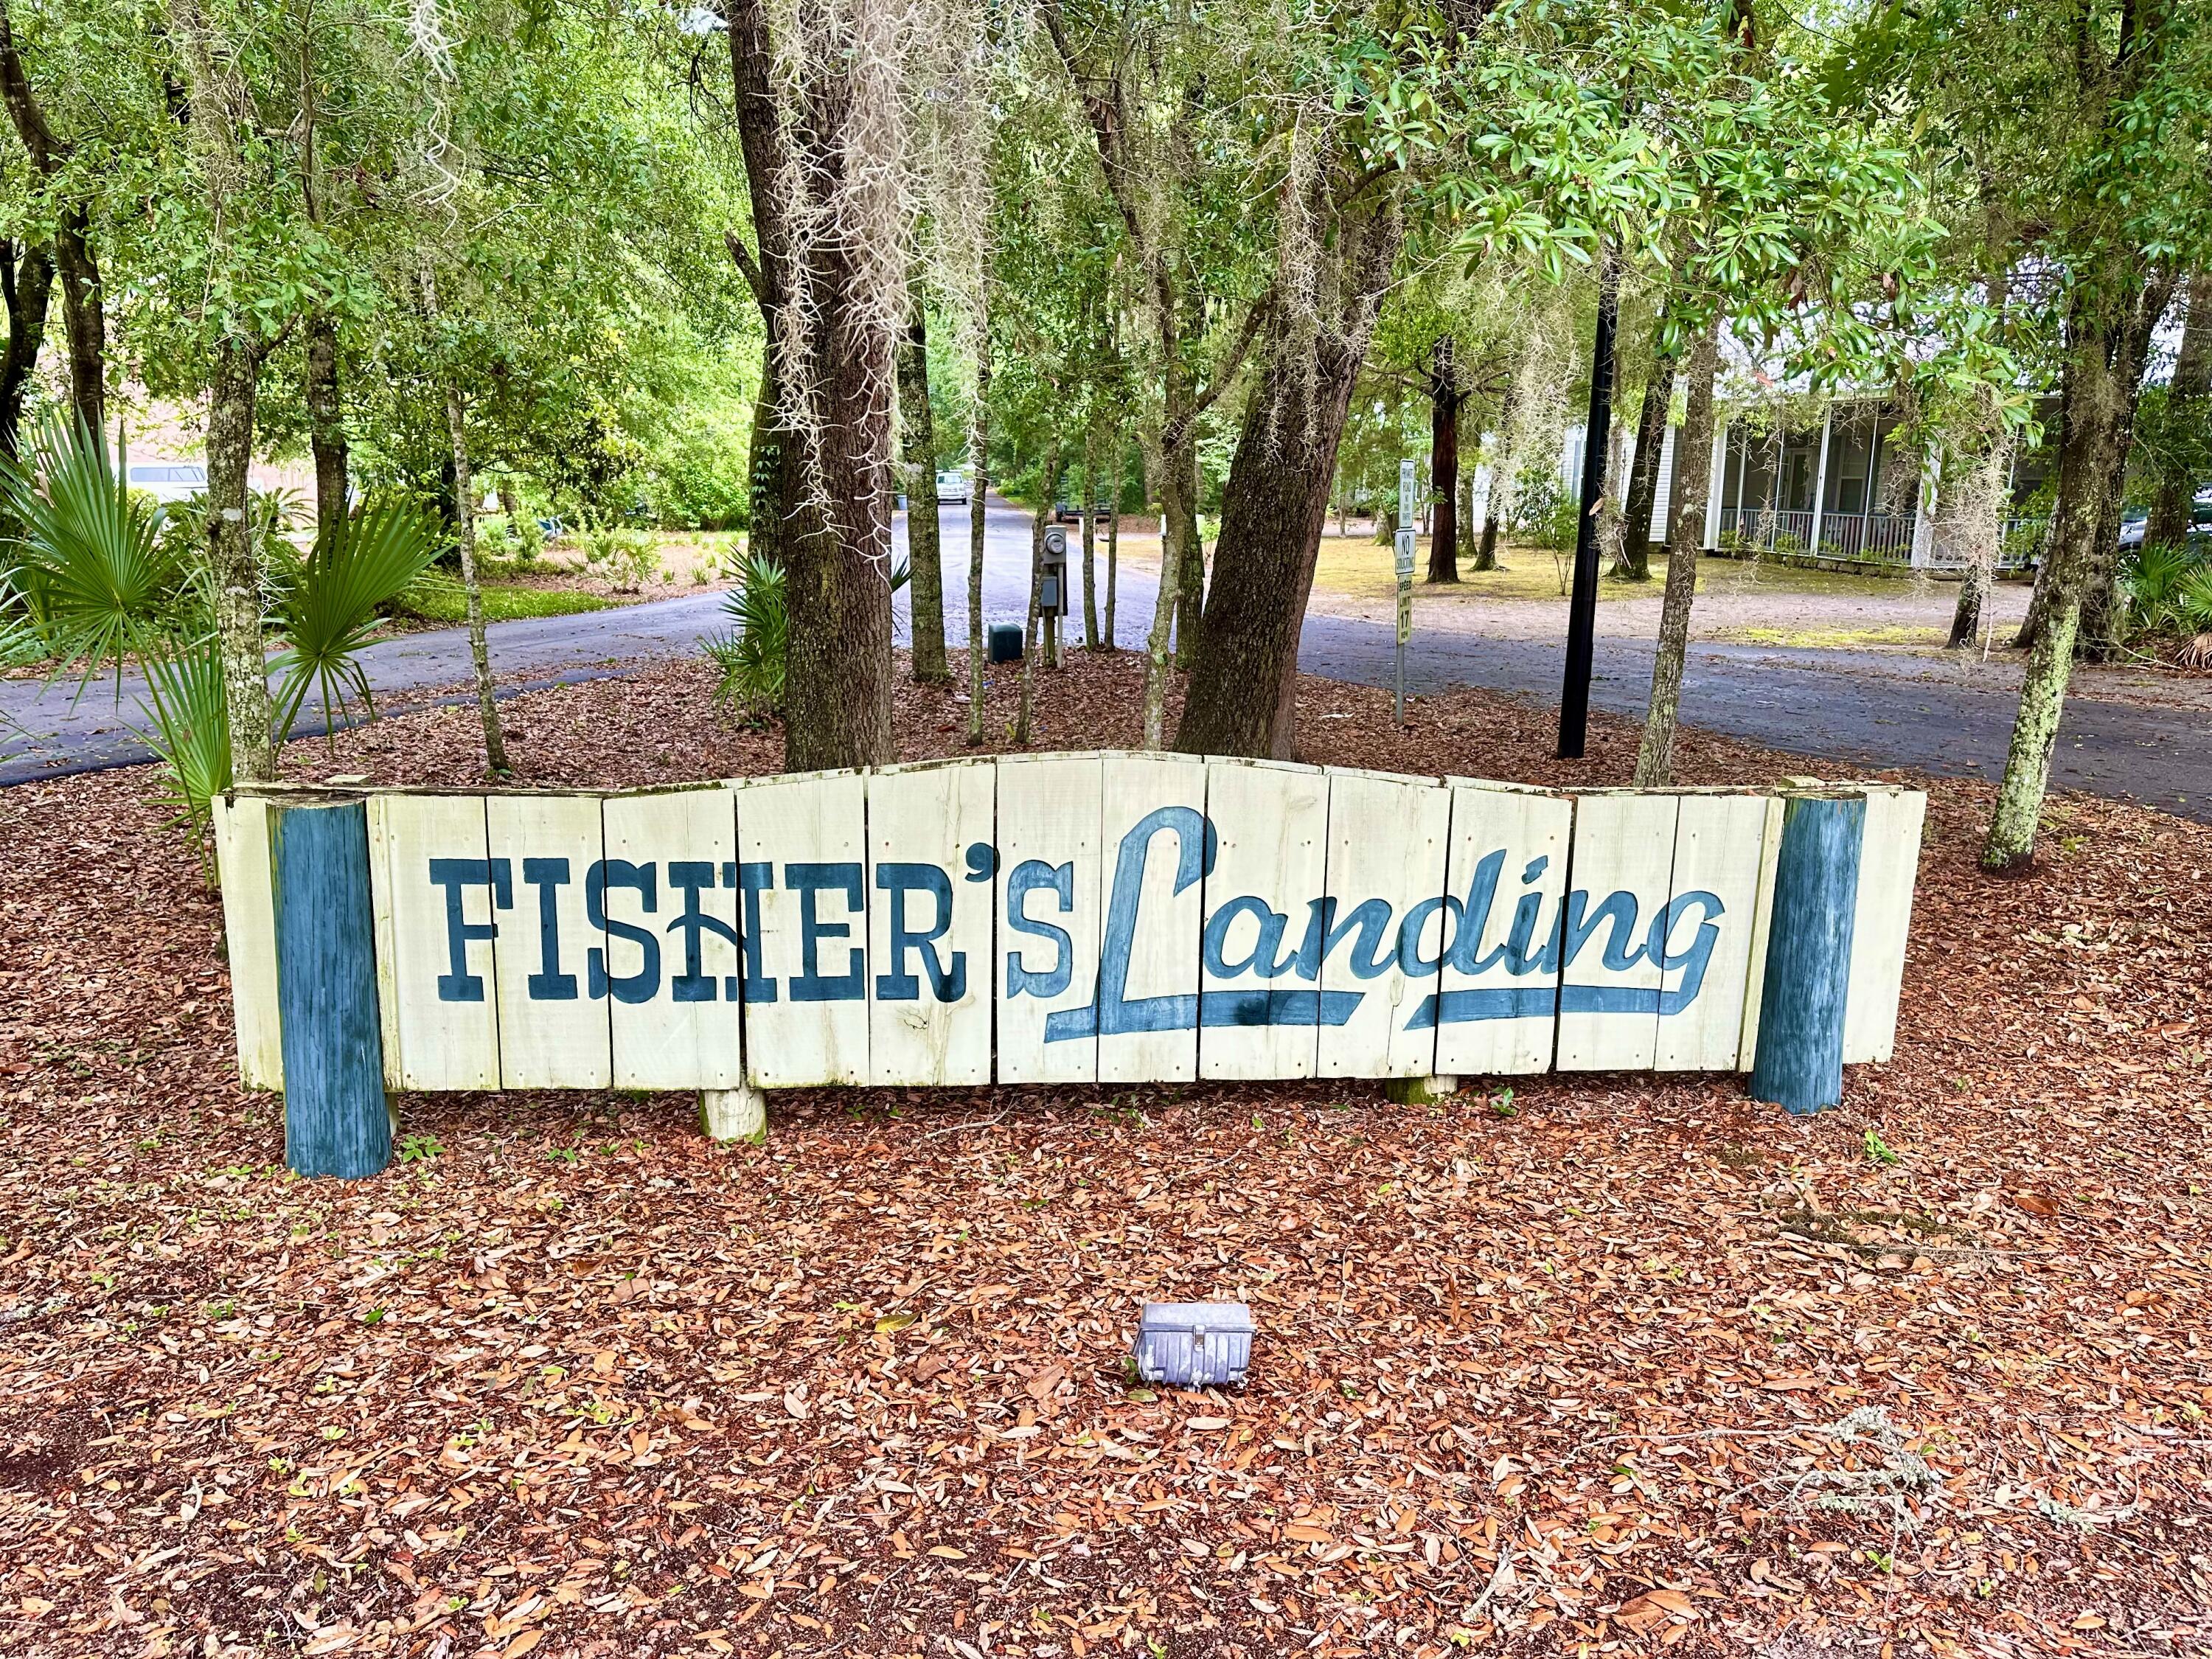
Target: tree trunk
1970, 516
766, 487
29, 277
979, 451
2103, 379
1090, 556
804, 149
1163, 608
327, 435
2173, 505
83, 320
1114, 543
465, 532
1635, 564
926, 590
1190, 556
1036, 622
234, 562
1966, 617
1242, 694
84, 325
1443, 462
1654, 753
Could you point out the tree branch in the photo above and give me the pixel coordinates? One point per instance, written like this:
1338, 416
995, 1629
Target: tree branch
748, 267
1254, 316
47, 152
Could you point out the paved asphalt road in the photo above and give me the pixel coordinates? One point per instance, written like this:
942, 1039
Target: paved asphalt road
1801, 701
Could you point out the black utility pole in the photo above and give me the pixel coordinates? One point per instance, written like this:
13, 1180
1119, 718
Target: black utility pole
1597, 443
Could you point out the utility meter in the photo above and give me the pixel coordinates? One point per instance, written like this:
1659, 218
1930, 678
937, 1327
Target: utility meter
1052, 575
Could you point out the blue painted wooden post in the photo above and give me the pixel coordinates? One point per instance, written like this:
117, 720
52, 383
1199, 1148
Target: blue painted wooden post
1799, 1062
335, 1117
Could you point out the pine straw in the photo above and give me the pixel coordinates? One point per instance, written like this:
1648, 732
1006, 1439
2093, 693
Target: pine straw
1622, 1360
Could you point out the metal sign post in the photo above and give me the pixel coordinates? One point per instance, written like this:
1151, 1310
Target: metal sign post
1404, 575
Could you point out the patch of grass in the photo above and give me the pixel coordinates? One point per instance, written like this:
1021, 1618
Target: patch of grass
1833, 638
440, 599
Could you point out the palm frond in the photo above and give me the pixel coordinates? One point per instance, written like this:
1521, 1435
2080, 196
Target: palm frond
188, 728
331, 599
95, 578
752, 653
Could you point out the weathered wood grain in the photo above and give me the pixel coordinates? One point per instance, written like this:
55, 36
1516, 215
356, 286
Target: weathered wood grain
1719, 839
249, 935
1506, 870
441, 1003
686, 1033
1389, 837
1049, 891
803, 841
1153, 909
1889, 865
1609, 984
552, 1030
931, 863
1258, 1017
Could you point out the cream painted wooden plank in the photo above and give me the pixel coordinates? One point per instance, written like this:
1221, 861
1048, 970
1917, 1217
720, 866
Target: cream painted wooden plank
1258, 1016
930, 864
1762, 913
1152, 899
447, 1002
1049, 898
677, 1025
802, 850
249, 935
387, 954
552, 1024
1506, 870
1889, 864
1387, 839
1622, 871
1718, 841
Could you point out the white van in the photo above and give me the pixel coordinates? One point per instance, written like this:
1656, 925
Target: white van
169, 481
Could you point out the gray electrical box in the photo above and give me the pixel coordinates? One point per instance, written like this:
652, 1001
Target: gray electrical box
1052, 574
1194, 1345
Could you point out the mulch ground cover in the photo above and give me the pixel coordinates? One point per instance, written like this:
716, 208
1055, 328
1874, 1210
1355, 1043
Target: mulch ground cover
1595, 1364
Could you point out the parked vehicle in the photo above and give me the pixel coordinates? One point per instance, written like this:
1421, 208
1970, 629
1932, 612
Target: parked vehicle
952, 488
1069, 510
2136, 521
169, 481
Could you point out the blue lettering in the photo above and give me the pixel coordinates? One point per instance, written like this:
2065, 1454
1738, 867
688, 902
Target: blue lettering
458, 984
1264, 947
1619, 909
808, 881
1111, 1013
752, 878
950, 984
641, 985
1371, 917
1035, 875
1410, 961
690, 879
549, 983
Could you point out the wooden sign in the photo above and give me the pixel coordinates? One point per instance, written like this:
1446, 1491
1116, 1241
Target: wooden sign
1080, 918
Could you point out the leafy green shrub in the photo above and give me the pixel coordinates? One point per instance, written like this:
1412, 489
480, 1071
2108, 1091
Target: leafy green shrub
751, 652
188, 714
331, 599
91, 574
628, 558
436, 596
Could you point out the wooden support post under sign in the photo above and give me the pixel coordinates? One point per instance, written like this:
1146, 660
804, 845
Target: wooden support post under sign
336, 1120
1799, 1065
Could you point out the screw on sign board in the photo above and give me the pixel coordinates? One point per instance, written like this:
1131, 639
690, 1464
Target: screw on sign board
1101, 917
